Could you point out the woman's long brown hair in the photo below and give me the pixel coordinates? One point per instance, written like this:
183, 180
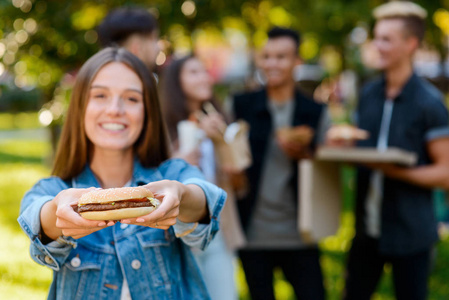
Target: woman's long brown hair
74, 148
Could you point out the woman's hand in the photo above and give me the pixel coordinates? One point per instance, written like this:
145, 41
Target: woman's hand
213, 125
59, 218
178, 201
170, 194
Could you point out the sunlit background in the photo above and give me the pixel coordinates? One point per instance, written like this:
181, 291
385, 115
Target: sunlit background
44, 42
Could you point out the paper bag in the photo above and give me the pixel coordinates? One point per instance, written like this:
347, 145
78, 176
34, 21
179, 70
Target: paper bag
320, 199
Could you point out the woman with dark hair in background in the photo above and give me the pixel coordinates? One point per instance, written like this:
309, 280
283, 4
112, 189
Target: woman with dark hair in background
115, 136
187, 94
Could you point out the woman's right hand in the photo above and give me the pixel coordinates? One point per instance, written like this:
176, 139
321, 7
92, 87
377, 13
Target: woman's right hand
213, 125
59, 218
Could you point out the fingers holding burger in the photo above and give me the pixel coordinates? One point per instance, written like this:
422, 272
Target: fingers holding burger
166, 214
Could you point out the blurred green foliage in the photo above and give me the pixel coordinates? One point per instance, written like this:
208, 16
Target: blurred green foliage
40, 40
14, 99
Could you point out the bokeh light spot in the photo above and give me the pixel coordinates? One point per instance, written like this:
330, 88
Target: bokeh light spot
91, 36
44, 78
30, 25
21, 36
45, 117
18, 24
2, 49
20, 68
9, 58
188, 8
161, 58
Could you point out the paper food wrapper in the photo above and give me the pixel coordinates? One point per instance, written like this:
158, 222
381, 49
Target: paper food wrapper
189, 136
233, 150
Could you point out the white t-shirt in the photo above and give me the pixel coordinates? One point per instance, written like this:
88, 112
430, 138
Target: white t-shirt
375, 190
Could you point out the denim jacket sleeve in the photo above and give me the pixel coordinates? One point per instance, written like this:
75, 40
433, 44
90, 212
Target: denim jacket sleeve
195, 234
56, 252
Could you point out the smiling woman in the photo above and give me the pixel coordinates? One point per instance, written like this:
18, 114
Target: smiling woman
114, 136
99, 82
115, 110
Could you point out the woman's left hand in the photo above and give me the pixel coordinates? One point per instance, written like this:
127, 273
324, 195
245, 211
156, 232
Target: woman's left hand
169, 193
213, 125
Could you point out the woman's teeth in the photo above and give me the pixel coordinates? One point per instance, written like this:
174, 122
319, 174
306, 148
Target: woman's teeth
113, 126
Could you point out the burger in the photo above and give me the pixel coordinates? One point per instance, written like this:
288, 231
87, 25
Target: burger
302, 134
116, 203
346, 132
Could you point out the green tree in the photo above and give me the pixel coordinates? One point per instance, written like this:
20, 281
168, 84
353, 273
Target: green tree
40, 40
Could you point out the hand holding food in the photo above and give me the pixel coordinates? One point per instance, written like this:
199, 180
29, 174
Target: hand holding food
61, 218
302, 135
295, 141
170, 192
213, 125
345, 135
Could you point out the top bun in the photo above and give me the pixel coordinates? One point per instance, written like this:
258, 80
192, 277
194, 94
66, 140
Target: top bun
114, 194
346, 132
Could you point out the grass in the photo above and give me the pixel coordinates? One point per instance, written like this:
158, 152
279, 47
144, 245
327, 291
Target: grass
22, 163
23, 120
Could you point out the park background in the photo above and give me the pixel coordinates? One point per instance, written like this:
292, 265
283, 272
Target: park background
44, 42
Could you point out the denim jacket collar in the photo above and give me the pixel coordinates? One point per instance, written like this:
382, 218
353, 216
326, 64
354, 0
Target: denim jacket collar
141, 176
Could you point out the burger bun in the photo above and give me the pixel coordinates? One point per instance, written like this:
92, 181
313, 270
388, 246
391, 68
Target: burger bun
117, 214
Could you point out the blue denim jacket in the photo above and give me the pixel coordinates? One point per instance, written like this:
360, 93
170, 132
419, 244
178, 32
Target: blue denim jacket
157, 263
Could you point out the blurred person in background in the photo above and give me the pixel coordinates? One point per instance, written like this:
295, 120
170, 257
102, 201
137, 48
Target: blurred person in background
269, 211
115, 136
187, 95
134, 29
395, 219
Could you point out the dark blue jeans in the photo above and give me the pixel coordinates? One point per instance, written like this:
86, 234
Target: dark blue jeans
365, 267
301, 269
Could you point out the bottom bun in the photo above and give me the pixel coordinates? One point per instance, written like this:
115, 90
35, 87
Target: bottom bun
117, 214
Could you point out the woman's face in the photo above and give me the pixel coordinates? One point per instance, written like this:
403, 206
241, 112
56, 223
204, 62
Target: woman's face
115, 109
196, 82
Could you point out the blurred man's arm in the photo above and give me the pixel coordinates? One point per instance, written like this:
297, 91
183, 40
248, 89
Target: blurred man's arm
430, 176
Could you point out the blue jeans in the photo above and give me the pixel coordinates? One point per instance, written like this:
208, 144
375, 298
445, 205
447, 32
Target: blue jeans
216, 264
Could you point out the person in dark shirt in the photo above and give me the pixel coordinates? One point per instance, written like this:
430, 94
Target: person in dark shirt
134, 29
395, 219
269, 211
